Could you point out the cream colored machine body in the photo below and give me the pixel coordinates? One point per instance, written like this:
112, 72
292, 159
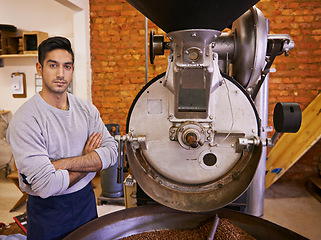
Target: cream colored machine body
194, 134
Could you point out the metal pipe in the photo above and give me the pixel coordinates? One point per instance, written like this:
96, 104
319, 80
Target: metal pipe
224, 46
274, 138
214, 227
119, 167
146, 50
255, 193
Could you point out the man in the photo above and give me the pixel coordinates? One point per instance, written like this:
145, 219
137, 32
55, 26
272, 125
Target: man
58, 141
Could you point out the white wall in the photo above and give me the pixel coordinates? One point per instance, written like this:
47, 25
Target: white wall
82, 85
56, 17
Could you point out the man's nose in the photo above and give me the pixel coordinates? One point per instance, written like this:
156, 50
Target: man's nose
60, 72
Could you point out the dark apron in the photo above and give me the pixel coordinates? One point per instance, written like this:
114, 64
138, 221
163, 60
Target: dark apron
55, 217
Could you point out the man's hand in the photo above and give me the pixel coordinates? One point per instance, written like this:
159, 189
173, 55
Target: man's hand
93, 142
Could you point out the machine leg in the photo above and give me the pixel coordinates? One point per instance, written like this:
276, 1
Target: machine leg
255, 193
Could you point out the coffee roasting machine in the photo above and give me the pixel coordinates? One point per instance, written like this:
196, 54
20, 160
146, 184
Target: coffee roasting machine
197, 134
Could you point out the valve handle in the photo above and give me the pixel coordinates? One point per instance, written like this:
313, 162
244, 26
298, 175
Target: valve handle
191, 139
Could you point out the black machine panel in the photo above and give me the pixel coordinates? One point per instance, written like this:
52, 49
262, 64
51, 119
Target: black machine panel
174, 15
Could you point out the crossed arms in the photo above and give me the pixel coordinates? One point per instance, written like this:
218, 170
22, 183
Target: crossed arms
78, 167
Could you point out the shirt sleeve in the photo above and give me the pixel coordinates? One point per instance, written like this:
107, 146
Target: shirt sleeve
36, 172
108, 151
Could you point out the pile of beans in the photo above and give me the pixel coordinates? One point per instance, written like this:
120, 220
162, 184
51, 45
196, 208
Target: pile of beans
225, 230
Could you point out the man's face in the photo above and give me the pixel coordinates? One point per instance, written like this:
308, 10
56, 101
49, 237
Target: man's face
57, 71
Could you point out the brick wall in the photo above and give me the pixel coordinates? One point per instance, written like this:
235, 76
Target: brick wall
118, 58
118, 61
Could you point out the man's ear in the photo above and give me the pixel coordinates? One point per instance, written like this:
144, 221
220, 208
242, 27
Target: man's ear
39, 68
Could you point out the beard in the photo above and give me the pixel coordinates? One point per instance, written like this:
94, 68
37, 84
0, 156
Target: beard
57, 86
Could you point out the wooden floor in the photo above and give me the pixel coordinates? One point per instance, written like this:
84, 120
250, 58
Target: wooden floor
286, 204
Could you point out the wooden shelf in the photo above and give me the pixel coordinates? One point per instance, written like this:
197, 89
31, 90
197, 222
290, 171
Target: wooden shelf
19, 55
4, 112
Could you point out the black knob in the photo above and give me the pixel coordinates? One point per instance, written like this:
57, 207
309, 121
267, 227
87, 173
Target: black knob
287, 117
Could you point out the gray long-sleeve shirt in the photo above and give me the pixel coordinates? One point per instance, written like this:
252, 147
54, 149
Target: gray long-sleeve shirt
40, 133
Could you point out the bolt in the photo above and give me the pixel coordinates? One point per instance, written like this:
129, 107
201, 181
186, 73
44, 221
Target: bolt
194, 35
235, 176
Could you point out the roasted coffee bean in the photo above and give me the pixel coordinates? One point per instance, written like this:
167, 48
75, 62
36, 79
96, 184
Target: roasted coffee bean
225, 230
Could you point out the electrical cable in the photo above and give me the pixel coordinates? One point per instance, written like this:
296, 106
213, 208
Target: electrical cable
232, 115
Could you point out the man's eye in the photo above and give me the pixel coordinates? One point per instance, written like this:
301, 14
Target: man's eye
53, 65
68, 67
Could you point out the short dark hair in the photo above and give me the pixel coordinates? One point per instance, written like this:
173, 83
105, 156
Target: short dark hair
51, 44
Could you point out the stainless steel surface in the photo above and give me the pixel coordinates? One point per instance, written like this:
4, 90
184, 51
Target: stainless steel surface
137, 220
224, 46
288, 43
193, 98
194, 135
255, 192
194, 73
250, 32
204, 178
